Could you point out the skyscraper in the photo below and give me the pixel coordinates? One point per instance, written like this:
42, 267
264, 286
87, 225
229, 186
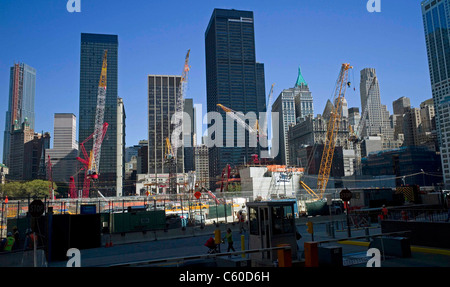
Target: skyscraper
304, 106
233, 79
189, 135
22, 89
436, 21
65, 147
93, 47
284, 105
377, 121
162, 92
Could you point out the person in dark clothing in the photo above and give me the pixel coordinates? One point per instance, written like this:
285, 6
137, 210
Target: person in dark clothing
16, 235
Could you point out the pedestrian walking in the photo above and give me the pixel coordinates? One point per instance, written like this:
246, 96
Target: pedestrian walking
229, 238
384, 210
8, 242
241, 218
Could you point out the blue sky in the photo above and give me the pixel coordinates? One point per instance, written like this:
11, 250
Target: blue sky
154, 37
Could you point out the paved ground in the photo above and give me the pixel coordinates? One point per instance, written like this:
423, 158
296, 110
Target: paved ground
177, 243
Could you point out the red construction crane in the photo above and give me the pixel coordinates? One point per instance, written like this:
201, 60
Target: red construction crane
72, 188
91, 163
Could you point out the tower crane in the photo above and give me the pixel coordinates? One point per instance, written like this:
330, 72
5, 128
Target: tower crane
332, 130
232, 114
253, 130
264, 130
331, 136
91, 163
355, 136
175, 142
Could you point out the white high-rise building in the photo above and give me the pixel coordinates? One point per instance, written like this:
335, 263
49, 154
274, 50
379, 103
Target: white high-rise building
65, 147
377, 121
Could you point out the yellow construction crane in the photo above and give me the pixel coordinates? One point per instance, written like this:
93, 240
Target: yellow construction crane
332, 130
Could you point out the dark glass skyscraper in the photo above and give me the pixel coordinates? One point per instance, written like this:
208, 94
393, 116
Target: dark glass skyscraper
436, 21
93, 47
233, 79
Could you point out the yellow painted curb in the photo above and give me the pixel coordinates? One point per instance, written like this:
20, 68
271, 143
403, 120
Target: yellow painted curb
413, 248
352, 242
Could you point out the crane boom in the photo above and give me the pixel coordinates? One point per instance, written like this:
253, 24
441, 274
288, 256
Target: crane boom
91, 162
232, 114
179, 105
99, 116
268, 110
332, 129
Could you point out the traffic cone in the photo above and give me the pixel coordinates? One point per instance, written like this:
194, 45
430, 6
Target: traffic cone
107, 245
110, 244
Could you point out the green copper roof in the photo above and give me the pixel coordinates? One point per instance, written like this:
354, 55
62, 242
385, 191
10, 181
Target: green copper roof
300, 79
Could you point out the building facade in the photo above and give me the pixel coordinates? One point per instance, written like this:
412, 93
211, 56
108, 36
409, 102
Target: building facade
304, 105
93, 47
377, 121
22, 89
189, 135
284, 105
18, 160
436, 21
65, 147
202, 165
162, 92
233, 79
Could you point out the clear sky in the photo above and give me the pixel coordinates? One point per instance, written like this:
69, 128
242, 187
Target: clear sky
154, 37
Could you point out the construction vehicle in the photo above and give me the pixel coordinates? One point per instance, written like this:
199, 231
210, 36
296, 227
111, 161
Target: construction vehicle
91, 163
330, 140
175, 142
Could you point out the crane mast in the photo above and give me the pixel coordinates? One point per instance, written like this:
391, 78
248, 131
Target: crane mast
355, 136
179, 105
91, 162
175, 142
332, 130
99, 116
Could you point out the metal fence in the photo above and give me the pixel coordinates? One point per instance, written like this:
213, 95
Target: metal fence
205, 209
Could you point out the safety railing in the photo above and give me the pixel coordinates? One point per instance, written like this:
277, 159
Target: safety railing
181, 260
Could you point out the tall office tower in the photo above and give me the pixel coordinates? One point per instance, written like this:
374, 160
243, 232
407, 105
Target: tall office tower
189, 135
120, 170
162, 92
22, 89
400, 105
303, 98
235, 80
65, 147
34, 164
354, 117
93, 47
202, 165
436, 21
284, 105
377, 121
142, 158
17, 162
411, 125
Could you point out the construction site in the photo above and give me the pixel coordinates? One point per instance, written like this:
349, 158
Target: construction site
173, 201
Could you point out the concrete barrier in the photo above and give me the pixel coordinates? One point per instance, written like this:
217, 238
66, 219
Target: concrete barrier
23, 259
